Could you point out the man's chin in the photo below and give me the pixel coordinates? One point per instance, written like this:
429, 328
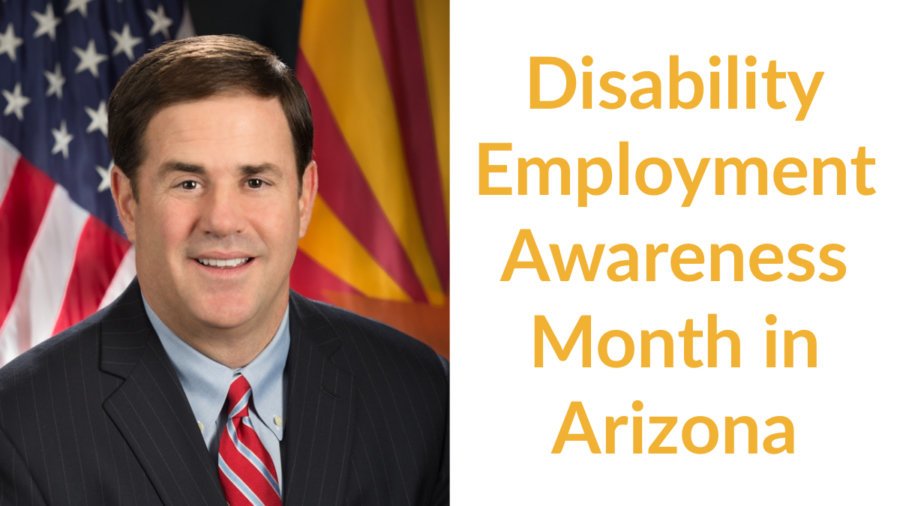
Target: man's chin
224, 317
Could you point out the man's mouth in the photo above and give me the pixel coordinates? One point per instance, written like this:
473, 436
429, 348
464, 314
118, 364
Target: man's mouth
223, 263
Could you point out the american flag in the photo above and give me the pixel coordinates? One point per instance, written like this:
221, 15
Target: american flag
62, 251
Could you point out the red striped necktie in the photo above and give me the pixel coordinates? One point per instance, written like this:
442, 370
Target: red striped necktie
246, 470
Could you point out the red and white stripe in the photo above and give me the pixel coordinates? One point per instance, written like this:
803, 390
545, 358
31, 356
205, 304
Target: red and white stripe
8, 159
59, 263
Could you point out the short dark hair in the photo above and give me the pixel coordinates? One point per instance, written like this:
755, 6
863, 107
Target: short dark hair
199, 67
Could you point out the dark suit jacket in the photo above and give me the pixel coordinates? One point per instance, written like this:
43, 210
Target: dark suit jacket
97, 416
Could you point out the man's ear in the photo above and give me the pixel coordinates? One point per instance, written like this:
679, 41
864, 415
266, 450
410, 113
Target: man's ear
125, 200
308, 188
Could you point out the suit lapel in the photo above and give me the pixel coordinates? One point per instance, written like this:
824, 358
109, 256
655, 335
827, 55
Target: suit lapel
150, 408
318, 404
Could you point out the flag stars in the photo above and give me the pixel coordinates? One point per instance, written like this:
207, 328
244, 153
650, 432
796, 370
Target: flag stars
61, 140
104, 185
9, 42
99, 118
55, 82
46, 22
125, 42
78, 5
161, 23
89, 59
15, 102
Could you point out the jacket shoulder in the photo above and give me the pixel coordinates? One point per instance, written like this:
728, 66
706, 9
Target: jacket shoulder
370, 341
400, 389
53, 357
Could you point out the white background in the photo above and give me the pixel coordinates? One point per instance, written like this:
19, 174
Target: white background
506, 414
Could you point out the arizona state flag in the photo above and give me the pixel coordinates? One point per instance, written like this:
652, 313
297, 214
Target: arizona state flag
376, 73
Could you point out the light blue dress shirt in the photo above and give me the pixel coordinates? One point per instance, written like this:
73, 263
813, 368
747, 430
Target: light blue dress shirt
206, 382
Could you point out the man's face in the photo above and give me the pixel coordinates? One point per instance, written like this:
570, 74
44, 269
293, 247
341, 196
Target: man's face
218, 213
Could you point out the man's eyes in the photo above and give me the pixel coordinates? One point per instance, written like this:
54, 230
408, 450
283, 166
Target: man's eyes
253, 183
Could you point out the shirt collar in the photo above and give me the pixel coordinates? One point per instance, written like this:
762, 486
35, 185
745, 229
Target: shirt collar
206, 381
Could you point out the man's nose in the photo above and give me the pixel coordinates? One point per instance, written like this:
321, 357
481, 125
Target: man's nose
222, 215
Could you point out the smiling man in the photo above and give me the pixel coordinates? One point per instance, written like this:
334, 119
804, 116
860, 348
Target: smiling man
209, 381
214, 211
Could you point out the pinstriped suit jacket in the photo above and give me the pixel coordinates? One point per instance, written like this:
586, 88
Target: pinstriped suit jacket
97, 416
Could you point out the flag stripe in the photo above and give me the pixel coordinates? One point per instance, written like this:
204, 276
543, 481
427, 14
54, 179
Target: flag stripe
434, 35
21, 213
120, 281
44, 274
315, 281
9, 156
336, 36
356, 266
395, 26
344, 187
97, 257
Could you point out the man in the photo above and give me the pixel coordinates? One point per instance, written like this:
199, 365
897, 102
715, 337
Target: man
208, 381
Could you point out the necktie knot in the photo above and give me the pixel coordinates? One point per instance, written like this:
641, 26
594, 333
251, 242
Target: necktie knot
239, 397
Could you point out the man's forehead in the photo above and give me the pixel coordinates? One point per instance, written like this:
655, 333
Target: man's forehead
236, 100
237, 133
241, 121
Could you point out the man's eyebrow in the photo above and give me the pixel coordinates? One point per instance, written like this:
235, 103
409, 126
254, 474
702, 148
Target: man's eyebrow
246, 170
263, 168
173, 166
